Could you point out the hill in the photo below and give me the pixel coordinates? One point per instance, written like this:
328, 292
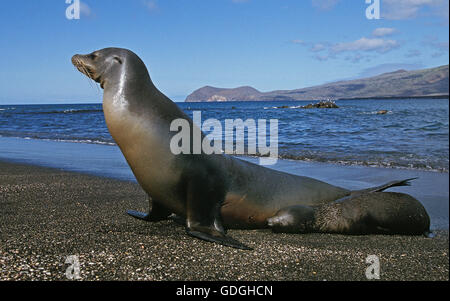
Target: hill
433, 82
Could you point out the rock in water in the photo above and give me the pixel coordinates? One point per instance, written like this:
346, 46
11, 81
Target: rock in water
328, 104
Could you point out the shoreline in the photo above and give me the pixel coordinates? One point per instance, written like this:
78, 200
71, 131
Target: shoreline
49, 214
12, 154
431, 188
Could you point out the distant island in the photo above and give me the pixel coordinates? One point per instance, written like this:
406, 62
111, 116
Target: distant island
433, 83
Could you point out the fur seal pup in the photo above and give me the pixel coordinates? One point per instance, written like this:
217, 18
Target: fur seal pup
369, 213
211, 193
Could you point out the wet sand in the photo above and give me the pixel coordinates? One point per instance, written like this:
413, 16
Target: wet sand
49, 214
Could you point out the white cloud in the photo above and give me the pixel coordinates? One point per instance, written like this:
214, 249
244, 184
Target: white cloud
442, 10
413, 53
318, 47
389, 67
356, 58
324, 4
301, 42
354, 50
409, 9
440, 47
321, 58
366, 44
151, 5
85, 10
383, 31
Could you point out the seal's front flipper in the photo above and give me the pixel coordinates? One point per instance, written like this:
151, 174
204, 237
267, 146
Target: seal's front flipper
157, 213
205, 193
218, 238
209, 227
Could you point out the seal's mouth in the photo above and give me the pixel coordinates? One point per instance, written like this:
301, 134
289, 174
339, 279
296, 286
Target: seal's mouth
89, 71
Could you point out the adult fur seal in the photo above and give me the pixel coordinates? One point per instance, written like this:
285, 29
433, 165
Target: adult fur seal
210, 192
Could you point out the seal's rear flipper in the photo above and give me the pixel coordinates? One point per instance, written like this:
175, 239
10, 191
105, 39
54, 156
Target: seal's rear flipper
223, 240
384, 187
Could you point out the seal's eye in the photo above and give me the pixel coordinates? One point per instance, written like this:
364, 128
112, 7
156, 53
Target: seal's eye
117, 59
93, 56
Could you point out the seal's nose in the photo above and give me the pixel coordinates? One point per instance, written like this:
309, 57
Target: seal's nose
75, 59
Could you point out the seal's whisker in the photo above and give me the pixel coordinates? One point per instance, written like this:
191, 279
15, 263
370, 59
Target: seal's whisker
85, 70
88, 75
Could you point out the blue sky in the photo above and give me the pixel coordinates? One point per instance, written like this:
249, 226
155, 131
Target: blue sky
187, 44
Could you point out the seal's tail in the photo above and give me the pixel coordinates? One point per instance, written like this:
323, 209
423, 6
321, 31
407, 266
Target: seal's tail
384, 187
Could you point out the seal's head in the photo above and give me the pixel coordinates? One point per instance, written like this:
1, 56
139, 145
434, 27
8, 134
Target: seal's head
294, 219
107, 66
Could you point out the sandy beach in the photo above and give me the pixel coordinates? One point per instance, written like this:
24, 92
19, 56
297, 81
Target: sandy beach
49, 214
99, 99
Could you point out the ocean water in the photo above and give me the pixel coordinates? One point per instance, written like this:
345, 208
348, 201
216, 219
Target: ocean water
414, 134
